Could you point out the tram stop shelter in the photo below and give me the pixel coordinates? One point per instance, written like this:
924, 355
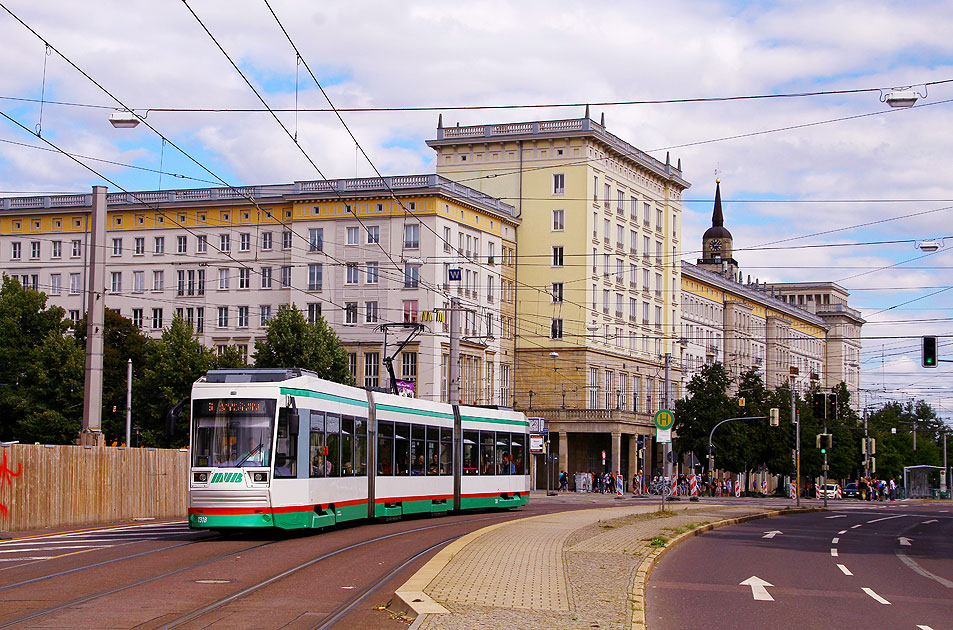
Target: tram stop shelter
922, 482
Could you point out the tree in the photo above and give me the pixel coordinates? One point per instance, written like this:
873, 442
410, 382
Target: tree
41, 370
172, 364
706, 405
291, 341
231, 357
122, 340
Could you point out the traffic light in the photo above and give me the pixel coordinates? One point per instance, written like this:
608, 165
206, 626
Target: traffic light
793, 435
873, 446
831, 406
819, 406
928, 356
864, 446
774, 415
824, 442
873, 464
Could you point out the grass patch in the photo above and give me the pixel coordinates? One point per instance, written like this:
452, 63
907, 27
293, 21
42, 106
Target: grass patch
631, 519
658, 541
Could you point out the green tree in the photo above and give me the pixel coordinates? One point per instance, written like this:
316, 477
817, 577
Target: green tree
172, 364
291, 341
122, 340
231, 357
706, 405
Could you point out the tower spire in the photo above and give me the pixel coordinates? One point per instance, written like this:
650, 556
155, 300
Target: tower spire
717, 217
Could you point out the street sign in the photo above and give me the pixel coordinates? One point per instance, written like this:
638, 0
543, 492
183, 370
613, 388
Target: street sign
453, 275
536, 444
664, 419
663, 436
536, 425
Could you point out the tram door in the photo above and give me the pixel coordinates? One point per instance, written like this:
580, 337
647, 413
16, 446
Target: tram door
286, 446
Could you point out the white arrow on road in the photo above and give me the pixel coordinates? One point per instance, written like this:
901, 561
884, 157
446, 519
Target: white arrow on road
904, 542
932, 520
772, 534
758, 590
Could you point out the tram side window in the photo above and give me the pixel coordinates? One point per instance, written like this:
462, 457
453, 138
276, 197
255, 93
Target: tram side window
418, 454
487, 465
385, 448
347, 446
286, 447
446, 451
433, 450
402, 448
518, 442
504, 465
332, 430
360, 447
318, 449
471, 453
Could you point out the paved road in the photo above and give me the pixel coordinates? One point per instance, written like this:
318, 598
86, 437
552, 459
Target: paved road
850, 567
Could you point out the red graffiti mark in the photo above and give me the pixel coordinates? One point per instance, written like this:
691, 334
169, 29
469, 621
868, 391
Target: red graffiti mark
7, 476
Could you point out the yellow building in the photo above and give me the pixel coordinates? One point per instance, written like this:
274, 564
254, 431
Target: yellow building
596, 279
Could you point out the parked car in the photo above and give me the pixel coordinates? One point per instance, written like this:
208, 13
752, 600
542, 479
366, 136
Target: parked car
829, 491
851, 491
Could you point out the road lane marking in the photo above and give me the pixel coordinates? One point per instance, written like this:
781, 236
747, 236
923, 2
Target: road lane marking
886, 518
912, 564
833, 553
842, 532
922, 627
844, 569
758, 590
855, 526
932, 520
876, 597
35, 549
772, 534
837, 516
26, 558
904, 541
835, 540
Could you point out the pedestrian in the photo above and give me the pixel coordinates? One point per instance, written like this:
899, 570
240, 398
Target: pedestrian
563, 481
893, 489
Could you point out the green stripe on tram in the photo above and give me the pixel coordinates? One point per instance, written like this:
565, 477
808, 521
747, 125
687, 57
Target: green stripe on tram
332, 397
519, 423
416, 412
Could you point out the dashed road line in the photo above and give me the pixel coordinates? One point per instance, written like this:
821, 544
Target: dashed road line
874, 595
842, 532
855, 526
932, 520
835, 540
833, 553
922, 627
844, 569
837, 516
886, 518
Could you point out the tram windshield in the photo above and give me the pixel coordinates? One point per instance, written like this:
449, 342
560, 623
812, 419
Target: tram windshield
232, 432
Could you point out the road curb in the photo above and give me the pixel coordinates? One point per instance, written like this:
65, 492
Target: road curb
637, 594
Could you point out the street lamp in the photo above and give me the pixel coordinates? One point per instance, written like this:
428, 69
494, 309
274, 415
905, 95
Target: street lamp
930, 245
902, 97
124, 119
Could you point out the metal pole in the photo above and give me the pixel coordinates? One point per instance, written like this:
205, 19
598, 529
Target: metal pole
128, 403
866, 447
795, 418
91, 433
824, 476
453, 370
667, 448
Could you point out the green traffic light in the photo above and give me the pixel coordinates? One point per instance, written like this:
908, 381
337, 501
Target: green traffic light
823, 451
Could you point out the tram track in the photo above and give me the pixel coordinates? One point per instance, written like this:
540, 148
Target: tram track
347, 606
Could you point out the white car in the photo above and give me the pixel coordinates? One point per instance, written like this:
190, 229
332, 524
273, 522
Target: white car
830, 491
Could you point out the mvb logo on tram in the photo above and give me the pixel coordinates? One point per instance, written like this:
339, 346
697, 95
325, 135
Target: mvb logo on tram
234, 477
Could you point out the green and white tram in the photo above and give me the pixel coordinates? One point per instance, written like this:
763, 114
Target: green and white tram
284, 448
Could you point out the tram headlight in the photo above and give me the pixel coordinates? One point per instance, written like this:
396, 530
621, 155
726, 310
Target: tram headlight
200, 477
259, 477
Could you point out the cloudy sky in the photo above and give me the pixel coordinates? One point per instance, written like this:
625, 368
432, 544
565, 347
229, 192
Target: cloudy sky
826, 179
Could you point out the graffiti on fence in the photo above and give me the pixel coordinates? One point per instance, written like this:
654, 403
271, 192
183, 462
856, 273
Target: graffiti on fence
6, 477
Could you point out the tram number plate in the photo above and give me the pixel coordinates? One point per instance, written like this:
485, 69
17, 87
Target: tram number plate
201, 519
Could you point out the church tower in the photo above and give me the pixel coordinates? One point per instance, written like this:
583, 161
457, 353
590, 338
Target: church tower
717, 243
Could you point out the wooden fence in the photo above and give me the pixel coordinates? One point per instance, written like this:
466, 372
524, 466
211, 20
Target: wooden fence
54, 486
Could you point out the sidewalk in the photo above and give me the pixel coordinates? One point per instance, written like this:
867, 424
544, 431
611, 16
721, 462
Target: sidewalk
572, 570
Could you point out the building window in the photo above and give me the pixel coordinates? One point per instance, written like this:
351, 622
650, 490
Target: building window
180, 282
559, 223
408, 366
157, 319
373, 272
159, 245
353, 237
556, 329
315, 240
412, 235
593, 388
411, 276
557, 256
314, 312
315, 276
74, 283
557, 292
372, 369
351, 273
410, 310
222, 316
16, 250
286, 239
57, 249
181, 244
200, 319
286, 277
373, 234
223, 279
265, 311
77, 249
137, 317
116, 284
559, 184
158, 280
201, 244
350, 312
56, 281
446, 239
266, 242
244, 278
225, 243
243, 317
244, 242
266, 277
370, 312
620, 201
117, 248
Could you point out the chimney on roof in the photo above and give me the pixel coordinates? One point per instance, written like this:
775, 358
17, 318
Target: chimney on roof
587, 111
440, 121
602, 119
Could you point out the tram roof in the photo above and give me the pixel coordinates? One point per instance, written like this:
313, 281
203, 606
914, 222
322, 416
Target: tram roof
261, 375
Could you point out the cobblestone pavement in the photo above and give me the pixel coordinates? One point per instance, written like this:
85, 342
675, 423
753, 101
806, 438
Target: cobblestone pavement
570, 570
